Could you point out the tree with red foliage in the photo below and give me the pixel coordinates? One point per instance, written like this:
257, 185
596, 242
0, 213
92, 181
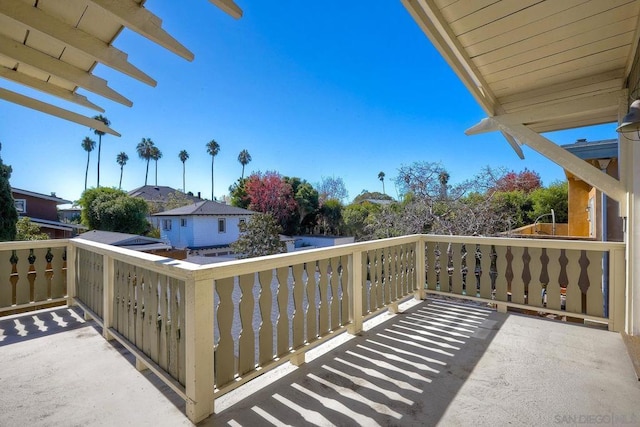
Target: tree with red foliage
270, 193
525, 181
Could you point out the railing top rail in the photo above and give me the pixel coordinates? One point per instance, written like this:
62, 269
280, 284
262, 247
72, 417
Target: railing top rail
589, 245
33, 244
169, 266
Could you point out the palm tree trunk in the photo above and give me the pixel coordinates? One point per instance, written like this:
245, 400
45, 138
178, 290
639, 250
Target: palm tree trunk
146, 175
212, 197
156, 173
383, 192
120, 184
86, 173
99, 149
242, 177
184, 188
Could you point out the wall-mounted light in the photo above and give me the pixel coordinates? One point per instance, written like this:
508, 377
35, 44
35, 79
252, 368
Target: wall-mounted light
631, 121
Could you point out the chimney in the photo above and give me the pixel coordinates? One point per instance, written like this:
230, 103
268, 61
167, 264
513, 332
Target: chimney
199, 195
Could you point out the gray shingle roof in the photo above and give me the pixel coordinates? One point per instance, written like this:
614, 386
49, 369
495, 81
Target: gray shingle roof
157, 193
119, 239
205, 207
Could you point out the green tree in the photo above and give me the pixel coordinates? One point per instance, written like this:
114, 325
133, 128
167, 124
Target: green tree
371, 195
145, 150
331, 217
106, 121
381, 176
88, 145
156, 155
556, 197
259, 236
183, 156
122, 160
27, 230
358, 217
110, 209
213, 148
244, 158
8, 213
238, 193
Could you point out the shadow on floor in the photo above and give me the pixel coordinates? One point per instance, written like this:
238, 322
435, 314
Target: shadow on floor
405, 371
37, 324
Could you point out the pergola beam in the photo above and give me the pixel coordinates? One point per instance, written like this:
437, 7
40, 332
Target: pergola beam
35, 19
43, 107
48, 88
229, 7
25, 54
135, 17
568, 161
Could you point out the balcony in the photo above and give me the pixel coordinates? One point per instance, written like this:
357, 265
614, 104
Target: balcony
205, 334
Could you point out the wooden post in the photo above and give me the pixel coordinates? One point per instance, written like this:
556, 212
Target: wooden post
355, 291
199, 355
108, 273
421, 270
617, 290
71, 273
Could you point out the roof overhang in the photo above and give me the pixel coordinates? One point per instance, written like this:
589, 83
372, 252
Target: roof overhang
53, 46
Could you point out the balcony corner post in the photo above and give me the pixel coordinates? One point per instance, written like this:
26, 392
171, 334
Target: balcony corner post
71, 273
355, 293
108, 274
421, 270
199, 330
617, 290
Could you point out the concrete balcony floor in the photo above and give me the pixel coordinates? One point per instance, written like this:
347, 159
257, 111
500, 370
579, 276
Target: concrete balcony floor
437, 363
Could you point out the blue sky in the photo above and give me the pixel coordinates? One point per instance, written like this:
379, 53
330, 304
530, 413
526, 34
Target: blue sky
325, 89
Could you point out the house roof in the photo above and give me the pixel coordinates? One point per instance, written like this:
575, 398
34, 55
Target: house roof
124, 240
52, 197
54, 47
67, 226
549, 65
594, 150
206, 207
155, 193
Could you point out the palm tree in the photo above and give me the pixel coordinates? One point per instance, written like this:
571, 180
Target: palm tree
156, 155
88, 144
106, 121
244, 158
121, 159
443, 178
144, 149
213, 148
183, 155
381, 178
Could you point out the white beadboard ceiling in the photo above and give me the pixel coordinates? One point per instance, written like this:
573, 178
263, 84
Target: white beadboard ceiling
533, 58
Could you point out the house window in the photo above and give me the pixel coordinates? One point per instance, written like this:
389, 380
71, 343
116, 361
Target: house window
222, 225
21, 205
166, 224
183, 222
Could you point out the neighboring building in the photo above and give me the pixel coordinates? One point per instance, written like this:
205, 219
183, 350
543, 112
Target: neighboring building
205, 227
133, 242
589, 208
42, 209
159, 195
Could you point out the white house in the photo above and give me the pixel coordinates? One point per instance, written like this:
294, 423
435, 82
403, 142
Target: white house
202, 227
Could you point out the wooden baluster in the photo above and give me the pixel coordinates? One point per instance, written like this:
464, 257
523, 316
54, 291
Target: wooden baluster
163, 304
324, 326
368, 273
152, 316
574, 294
395, 279
246, 342
6, 275
179, 310
485, 271
265, 332
225, 357
517, 284
554, 298
58, 289
299, 314
48, 274
534, 295
595, 300
455, 256
312, 303
334, 283
136, 282
502, 266
282, 324
344, 290
23, 284
37, 270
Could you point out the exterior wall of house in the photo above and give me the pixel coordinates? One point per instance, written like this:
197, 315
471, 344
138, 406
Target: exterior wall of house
200, 230
38, 208
578, 204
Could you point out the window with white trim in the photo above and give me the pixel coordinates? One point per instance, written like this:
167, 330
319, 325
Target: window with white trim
183, 222
21, 205
166, 224
222, 225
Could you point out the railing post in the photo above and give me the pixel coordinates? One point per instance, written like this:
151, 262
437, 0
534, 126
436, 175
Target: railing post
617, 290
355, 293
421, 269
108, 273
71, 273
199, 348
